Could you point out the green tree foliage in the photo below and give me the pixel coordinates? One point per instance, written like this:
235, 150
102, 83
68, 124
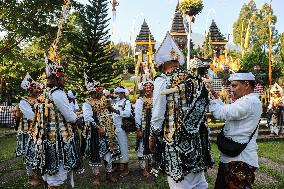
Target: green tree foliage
281, 46
263, 21
259, 27
124, 49
257, 56
207, 48
90, 49
239, 27
23, 20
253, 57
28, 28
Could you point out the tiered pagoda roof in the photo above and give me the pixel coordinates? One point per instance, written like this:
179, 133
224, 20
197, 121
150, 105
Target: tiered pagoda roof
215, 35
143, 36
177, 27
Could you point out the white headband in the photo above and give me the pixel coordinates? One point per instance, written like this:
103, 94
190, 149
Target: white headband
119, 90
242, 77
106, 92
141, 85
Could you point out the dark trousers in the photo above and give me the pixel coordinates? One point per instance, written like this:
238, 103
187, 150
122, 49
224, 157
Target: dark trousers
235, 175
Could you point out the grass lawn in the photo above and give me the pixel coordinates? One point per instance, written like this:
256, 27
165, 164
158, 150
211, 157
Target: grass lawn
7, 148
273, 151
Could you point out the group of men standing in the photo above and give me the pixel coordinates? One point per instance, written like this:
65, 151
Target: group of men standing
171, 127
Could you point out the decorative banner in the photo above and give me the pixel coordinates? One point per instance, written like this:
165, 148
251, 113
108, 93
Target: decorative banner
114, 5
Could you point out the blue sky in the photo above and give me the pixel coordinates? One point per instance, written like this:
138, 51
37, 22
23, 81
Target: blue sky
158, 15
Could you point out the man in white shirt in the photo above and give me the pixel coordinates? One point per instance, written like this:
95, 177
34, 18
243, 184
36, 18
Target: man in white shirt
121, 108
61, 147
25, 115
241, 123
143, 113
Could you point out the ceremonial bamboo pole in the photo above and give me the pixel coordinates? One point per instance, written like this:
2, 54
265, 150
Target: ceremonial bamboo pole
189, 20
270, 48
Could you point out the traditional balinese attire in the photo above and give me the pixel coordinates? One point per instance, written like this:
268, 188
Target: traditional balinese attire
241, 119
179, 124
96, 115
25, 114
54, 146
143, 114
124, 108
276, 110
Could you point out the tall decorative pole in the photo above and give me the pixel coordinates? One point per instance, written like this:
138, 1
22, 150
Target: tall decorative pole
270, 46
189, 20
190, 8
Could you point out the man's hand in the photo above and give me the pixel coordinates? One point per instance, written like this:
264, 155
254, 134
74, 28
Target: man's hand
101, 131
139, 133
152, 144
111, 109
79, 122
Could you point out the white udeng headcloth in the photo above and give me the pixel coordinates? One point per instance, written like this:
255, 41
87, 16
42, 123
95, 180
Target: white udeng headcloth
242, 77
106, 92
120, 90
90, 85
168, 51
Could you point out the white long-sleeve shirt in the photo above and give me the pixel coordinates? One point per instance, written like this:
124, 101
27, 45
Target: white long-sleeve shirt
241, 119
62, 104
117, 118
74, 106
138, 112
26, 109
159, 103
87, 112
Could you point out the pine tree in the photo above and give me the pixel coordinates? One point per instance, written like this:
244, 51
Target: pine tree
91, 51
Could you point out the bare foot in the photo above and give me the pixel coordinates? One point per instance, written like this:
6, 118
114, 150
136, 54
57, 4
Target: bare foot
97, 181
145, 173
120, 167
53, 187
110, 178
124, 173
34, 181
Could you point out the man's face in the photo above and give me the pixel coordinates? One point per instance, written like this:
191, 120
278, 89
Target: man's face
256, 68
96, 95
170, 66
36, 91
148, 90
240, 89
120, 95
58, 82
